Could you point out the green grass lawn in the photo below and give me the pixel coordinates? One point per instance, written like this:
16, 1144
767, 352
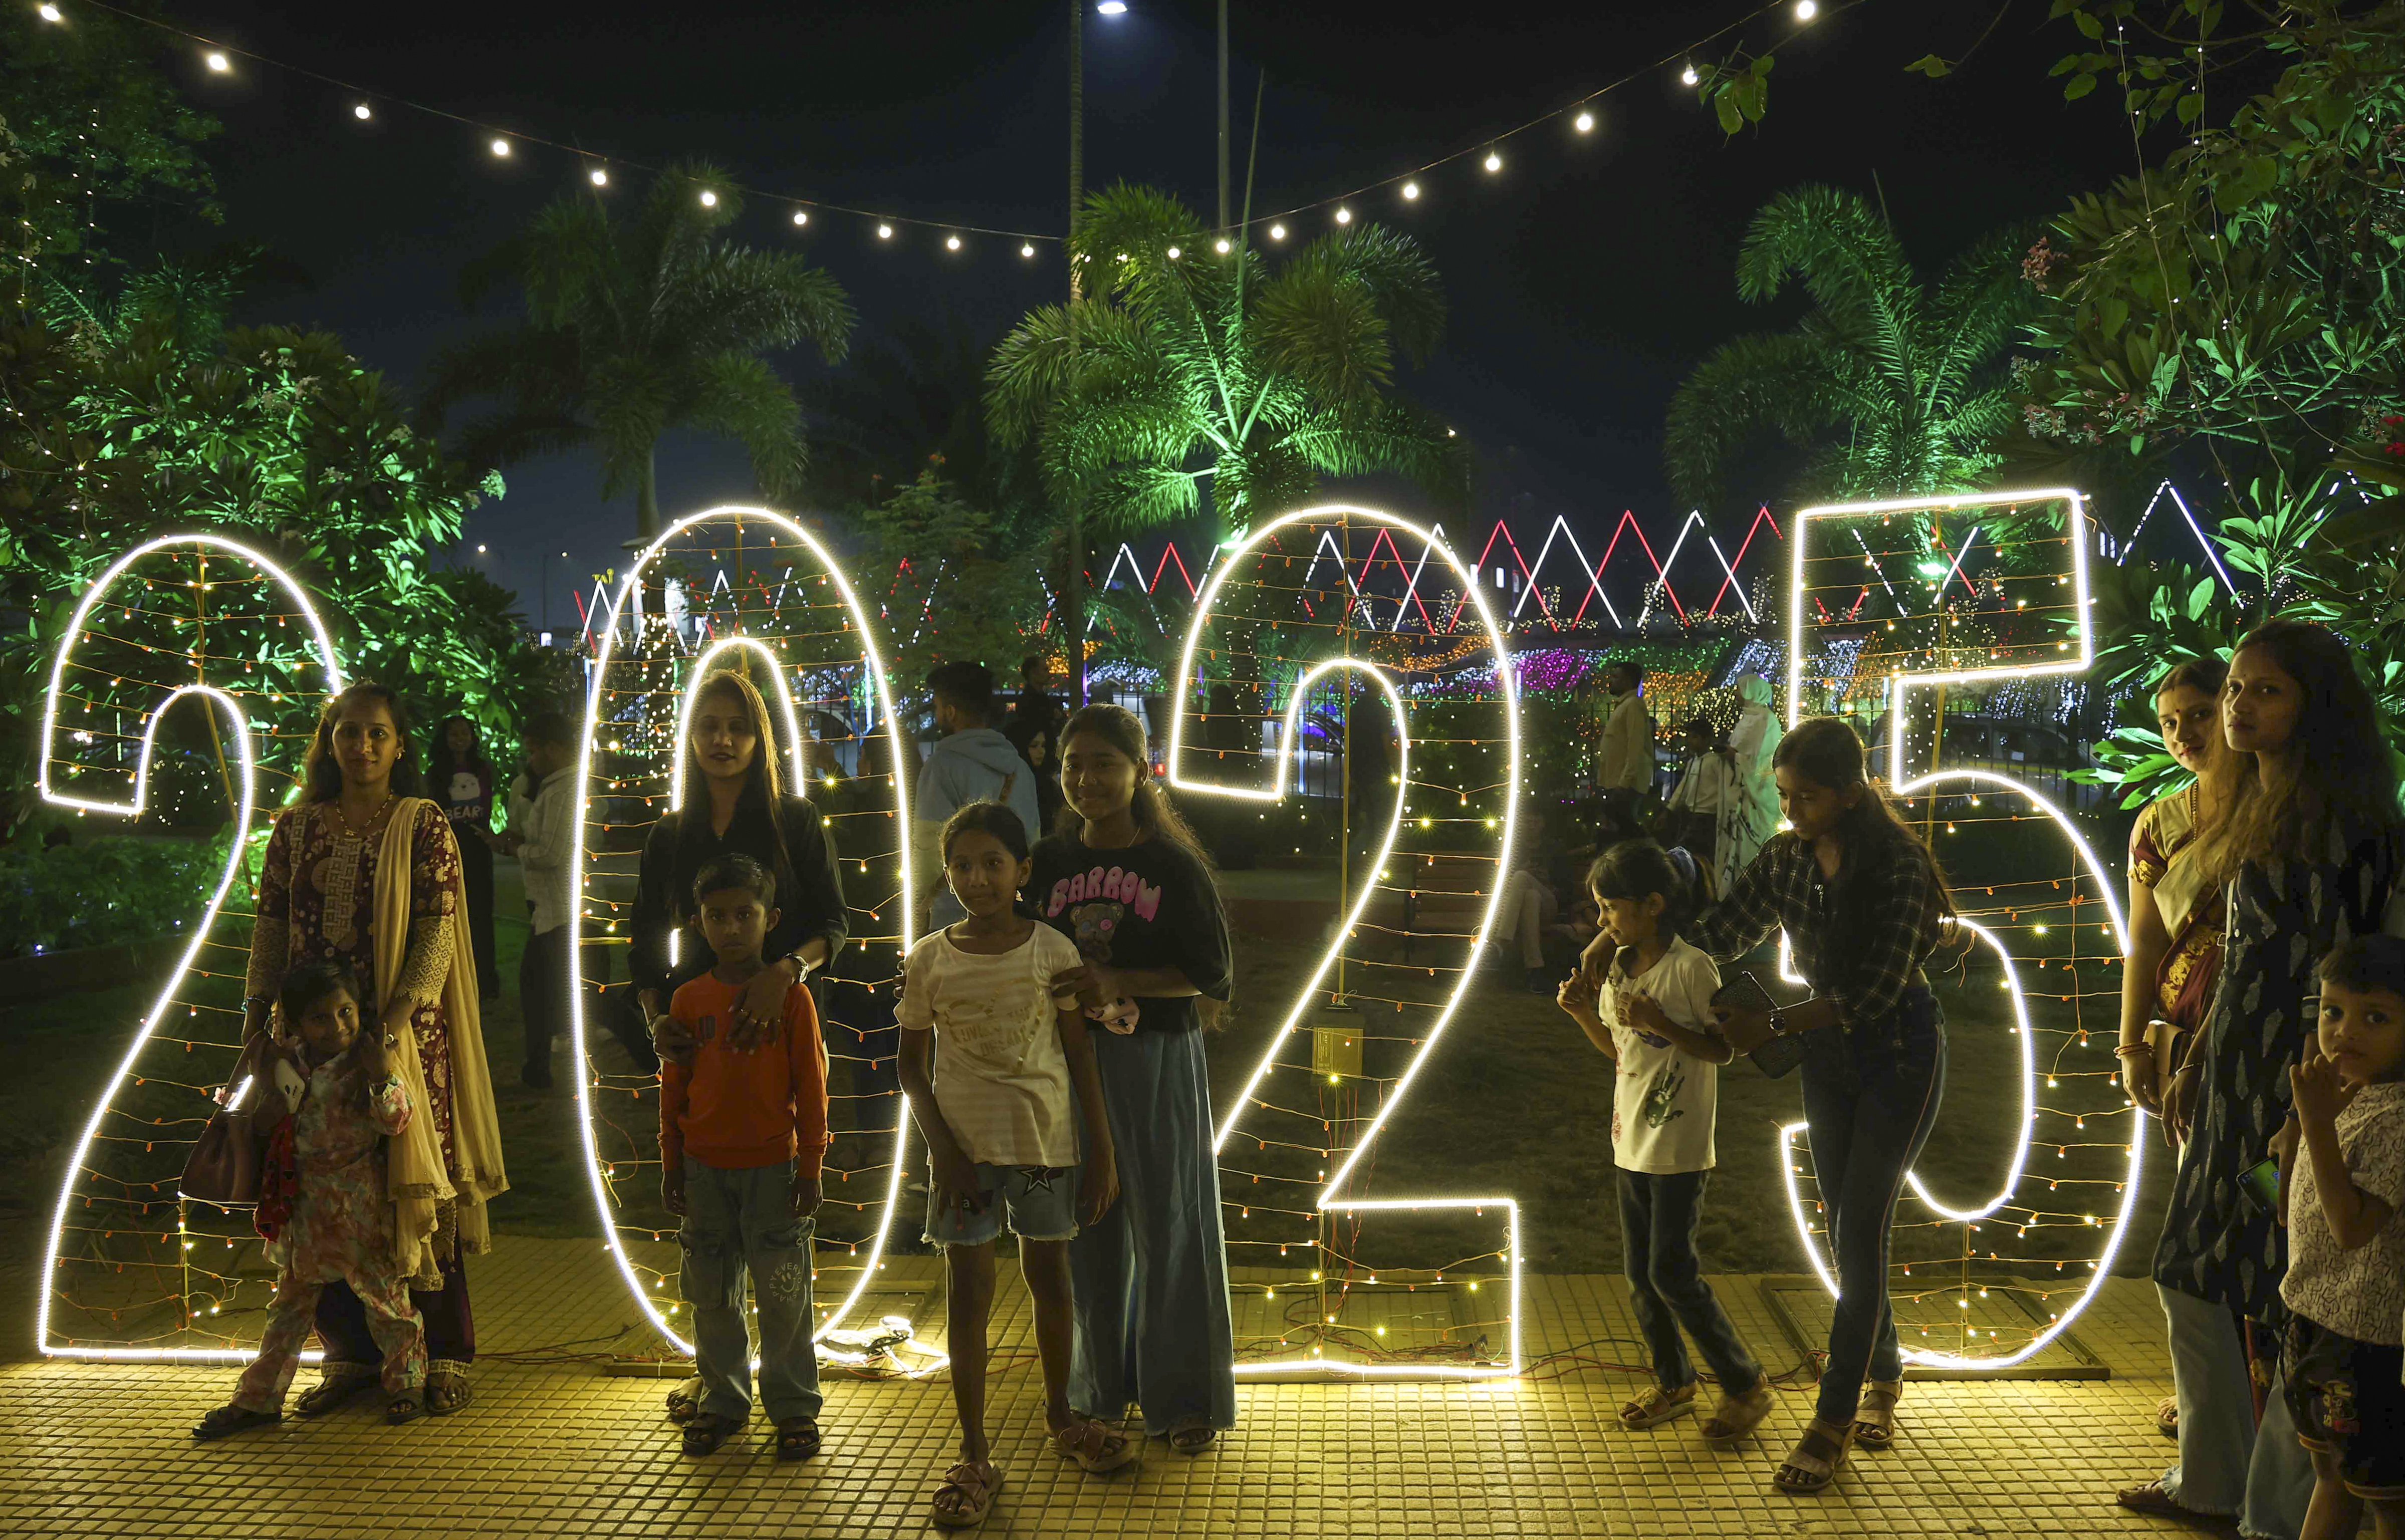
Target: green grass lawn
1512, 1101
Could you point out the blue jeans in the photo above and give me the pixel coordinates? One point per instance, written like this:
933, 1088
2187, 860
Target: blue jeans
1152, 1277
1666, 1281
740, 1222
2229, 1464
1870, 1097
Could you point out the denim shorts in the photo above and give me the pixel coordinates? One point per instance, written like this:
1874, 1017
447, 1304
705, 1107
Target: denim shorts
1041, 1203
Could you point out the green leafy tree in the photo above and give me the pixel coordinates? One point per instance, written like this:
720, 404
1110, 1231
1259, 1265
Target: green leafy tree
953, 583
1178, 369
1892, 386
637, 326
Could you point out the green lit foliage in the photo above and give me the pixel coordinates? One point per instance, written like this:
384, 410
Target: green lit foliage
1892, 386
640, 325
952, 584
1172, 372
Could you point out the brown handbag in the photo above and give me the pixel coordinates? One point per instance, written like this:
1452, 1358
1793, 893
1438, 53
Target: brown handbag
230, 1153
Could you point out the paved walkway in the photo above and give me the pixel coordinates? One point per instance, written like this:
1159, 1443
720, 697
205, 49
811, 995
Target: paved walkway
554, 1446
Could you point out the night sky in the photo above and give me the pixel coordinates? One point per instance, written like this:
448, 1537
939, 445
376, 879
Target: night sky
1585, 280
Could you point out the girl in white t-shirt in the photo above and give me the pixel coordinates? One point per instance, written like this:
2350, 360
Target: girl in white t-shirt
1653, 1019
1001, 1081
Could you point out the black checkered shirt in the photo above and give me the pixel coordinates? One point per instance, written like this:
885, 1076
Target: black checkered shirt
1897, 929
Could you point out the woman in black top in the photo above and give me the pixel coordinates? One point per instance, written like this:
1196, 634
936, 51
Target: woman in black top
731, 785
1133, 889
459, 779
1863, 904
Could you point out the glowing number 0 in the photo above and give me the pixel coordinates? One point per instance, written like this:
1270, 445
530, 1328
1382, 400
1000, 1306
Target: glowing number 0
151, 702
1901, 683
1279, 762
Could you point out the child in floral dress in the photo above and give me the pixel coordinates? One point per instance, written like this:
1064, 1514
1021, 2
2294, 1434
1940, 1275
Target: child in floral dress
324, 1206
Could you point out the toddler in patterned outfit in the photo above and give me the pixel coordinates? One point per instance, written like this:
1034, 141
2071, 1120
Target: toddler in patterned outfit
2343, 1350
324, 1205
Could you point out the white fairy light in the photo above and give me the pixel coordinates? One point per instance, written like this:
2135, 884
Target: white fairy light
1221, 246
501, 148
219, 63
801, 216
1343, 215
1174, 252
50, 13
1583, 122
361, 111
709, 199
952, 243
598, 178
1026, 248
235, 728
1807, 9
1278, 775
1688, 76
1494, 160
885, 232
1277, 232
1411, 189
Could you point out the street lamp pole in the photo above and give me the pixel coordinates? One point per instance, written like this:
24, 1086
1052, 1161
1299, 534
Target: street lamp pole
1223, 117
1072, 586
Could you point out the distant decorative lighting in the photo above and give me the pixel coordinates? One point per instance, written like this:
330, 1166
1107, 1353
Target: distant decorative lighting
50, 13
1583, 122
885, 232
1494, 162
1688, 75
1344, 216
600, 178
1221, 246
952, 243
361, 111
1175, 253
1026, 248
219, 63
1807, 9
1277, 232
501, 148
801, 216
480, 551
1411, 189
1110, 7
709, 199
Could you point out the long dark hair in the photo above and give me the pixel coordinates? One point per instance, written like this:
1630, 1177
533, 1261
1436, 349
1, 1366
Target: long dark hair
2335, 774
762, 791
1825, 752
438, 763
321, 777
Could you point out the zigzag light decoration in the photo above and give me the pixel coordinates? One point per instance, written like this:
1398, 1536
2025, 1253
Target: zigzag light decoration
1939, 640
816, 636
1243, 616
131, 1287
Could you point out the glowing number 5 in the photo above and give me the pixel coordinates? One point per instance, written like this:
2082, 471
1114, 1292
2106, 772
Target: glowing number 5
1970, 656
1316, 526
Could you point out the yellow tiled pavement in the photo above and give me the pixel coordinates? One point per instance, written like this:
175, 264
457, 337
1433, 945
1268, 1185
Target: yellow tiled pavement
562, 1449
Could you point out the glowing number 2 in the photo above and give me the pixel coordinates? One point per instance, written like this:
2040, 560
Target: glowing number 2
70, 750
2075, 658
1279, 765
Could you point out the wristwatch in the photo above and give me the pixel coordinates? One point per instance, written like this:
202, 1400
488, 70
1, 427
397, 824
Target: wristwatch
1778, 1023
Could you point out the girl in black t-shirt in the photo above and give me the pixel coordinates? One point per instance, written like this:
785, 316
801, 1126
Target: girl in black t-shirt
1131, 888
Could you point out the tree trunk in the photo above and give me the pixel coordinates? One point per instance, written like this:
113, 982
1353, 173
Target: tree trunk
647, 499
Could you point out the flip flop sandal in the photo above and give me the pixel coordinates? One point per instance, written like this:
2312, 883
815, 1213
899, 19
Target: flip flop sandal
1739, 1414
798, 1439
686, 1400
1095, 1447
2151, 1498
1656, 1406
2167, 1417
1192, 1441
446, 1393
971, 1488
408, 1407
706, 1432
227, 1420
1874, 1419
328, 1395
1816, 1458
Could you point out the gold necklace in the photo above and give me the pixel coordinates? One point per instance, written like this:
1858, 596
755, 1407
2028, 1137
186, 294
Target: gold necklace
344, 819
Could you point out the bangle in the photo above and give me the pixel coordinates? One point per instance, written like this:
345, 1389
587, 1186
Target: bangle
2134, 1050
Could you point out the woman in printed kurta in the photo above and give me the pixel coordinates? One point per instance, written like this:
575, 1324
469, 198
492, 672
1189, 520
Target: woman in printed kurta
323, 1206
315, 904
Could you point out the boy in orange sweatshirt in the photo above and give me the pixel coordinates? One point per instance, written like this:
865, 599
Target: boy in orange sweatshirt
742, 1134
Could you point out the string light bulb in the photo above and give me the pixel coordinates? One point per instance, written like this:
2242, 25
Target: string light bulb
1219, 245
1494, 160
1411, 189
709, 199
801, 217
1583, 122
1807, 9
952, 243
598, 178
219, 63
501, 148
1174, 252
1026, 248
1688, 76
361, 111
50, 13
1343, 215
1277, 232
885, 232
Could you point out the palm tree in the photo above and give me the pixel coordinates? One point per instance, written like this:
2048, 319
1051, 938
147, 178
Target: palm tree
1185, 365
1894, 388
634, 326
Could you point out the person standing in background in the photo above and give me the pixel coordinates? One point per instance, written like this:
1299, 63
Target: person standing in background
1752, 817
1036, 706
972, 763
460, 779
1628, 732
543, 838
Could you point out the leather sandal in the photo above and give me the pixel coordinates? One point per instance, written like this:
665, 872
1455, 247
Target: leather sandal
2149, 1497
966, 1496
2167, 1417
1657, 1406
1741, 1412
331, 1393
1094, 1447
1874, 1419
226, 1420
1816, 1458
798, 1439
706, 1432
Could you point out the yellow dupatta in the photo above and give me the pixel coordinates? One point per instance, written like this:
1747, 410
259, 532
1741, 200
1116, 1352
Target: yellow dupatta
417, 1178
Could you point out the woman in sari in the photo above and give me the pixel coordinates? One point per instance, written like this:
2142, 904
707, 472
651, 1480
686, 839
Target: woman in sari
1750, 816
2176, 911
363, 870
